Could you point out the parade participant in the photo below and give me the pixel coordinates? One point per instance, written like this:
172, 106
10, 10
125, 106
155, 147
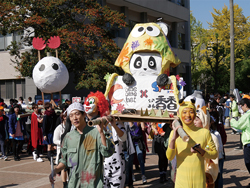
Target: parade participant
161, 131
16, 131
36, 133
190, 155
234, 113
134, 144
49, 122
114, 166
83, 150
3, 121
95, 105
57, 141
202, 120
243, 124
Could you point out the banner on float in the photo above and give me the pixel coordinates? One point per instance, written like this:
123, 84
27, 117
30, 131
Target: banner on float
144, 94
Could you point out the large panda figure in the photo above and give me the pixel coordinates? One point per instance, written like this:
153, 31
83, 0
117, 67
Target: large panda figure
147, 52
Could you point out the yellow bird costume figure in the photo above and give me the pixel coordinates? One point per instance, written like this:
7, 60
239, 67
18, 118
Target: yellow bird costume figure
190, 164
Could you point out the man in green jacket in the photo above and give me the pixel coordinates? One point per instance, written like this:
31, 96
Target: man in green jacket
82, 151
243, 124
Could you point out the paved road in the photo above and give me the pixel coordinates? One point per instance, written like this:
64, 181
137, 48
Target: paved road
28, 173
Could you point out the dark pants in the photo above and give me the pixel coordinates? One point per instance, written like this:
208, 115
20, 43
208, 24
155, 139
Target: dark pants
16, 146
247, 156
2, 147
160, 149
129, 168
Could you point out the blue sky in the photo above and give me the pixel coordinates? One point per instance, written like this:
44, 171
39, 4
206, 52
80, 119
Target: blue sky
202, 9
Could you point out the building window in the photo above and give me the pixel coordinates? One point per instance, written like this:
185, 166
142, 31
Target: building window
181, 2
6, 40
132, 24
181, 41
12, 88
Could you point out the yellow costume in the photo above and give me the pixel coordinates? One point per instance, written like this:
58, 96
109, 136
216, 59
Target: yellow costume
190, 166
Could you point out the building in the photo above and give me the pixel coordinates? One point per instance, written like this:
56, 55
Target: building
176, 13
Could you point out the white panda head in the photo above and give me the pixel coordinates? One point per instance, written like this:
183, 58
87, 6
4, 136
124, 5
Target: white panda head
50, 75
145, 64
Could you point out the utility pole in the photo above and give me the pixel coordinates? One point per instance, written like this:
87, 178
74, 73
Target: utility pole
232, 77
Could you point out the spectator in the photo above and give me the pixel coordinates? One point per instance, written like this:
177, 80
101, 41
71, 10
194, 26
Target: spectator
2, 103
3, 122
16, 131
30, 101
36, 133
49, 122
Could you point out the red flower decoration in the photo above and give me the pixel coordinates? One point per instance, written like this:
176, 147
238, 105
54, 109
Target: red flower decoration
178, 77
54, 42
38, 43
120, 108
171, 115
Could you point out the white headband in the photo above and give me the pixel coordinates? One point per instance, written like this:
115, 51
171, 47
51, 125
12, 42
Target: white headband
74, 106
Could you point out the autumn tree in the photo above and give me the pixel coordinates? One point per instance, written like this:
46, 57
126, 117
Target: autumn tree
217, 45
84, 26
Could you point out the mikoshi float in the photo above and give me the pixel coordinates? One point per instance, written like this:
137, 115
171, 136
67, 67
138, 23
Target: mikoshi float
146, 87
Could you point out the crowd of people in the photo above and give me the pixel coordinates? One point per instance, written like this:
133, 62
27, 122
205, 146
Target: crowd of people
103, 155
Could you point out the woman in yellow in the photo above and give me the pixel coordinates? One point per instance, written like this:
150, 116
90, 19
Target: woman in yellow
190, 161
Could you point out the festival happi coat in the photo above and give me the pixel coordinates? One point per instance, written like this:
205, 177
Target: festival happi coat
146, 58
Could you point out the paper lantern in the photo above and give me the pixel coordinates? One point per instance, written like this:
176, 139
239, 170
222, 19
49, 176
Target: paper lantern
50, 75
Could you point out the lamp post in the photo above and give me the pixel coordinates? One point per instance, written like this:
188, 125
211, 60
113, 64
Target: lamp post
232, 77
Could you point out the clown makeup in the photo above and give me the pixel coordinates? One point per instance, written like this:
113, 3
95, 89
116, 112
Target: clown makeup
188, 116
91, 105
198, 122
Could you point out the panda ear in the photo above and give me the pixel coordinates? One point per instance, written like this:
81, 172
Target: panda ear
193, 101
164, 27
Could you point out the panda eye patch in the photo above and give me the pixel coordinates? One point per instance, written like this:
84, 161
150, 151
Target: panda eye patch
138, 63
42, 67
151, 63
55, 66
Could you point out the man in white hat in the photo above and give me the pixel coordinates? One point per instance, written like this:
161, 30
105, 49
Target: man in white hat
83, 150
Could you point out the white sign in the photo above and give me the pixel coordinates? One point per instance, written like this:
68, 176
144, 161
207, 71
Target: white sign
144, 94
76, 99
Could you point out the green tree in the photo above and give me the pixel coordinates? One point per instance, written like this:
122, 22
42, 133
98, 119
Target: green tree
217, 45
84, 26
197, 41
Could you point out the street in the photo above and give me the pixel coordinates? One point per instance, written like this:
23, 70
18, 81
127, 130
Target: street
28, 173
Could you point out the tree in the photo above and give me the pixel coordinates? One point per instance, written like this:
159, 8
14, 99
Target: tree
217, 45
84, 26
197, 41
242, 75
